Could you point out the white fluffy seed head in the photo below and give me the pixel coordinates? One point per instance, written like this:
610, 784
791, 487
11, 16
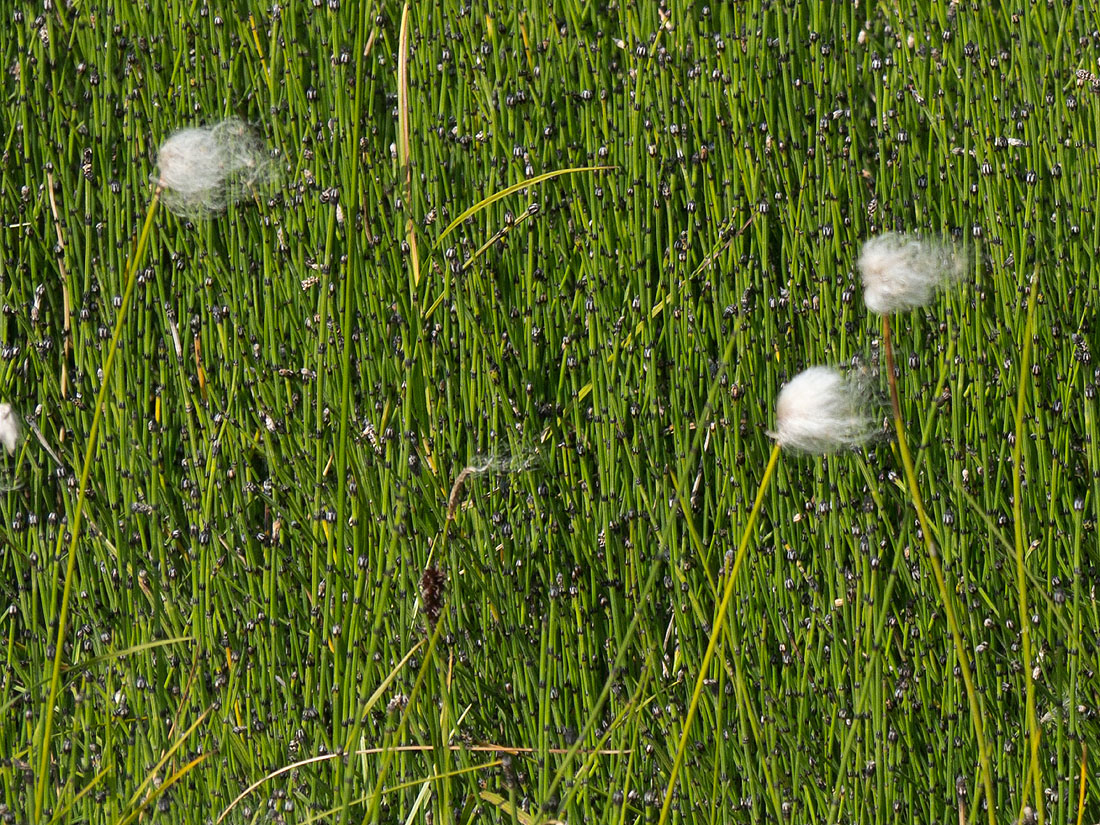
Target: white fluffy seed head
201, 170
9, 427
901, 272
822, 410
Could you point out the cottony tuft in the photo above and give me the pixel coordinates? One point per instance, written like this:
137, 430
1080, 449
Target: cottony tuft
821, 410
201, 170
9, 427
901, 272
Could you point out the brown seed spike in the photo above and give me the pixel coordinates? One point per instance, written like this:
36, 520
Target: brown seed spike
455, 497
432, 584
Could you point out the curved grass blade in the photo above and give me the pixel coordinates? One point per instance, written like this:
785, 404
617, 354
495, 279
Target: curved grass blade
503, 193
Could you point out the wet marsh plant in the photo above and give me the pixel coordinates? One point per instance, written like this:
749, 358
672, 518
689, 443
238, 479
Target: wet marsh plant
276, 559
199, 171
42, 739
822, 410
901, 273
819, 411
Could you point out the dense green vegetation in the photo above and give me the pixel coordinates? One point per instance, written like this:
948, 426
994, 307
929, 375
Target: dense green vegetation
300, 380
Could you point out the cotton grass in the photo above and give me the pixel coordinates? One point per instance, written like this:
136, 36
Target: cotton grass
9, 428
201, 170
822, 410
902, 272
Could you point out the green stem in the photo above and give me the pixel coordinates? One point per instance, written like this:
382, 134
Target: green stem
387, 759
937, 572
605, 693
876, 657
355, 203
74, 531
1034, 732
716, 631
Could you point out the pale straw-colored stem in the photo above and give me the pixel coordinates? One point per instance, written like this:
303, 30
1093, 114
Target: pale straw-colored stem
937, 571
43, 742
716, 631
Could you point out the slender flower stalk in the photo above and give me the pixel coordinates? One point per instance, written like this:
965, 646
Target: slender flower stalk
43, 742
818, 411
716, 630
937, 571
901, 272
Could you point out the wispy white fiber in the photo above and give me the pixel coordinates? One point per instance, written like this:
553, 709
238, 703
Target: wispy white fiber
9, 427
822, 410
901, 272
203, 169
503, 463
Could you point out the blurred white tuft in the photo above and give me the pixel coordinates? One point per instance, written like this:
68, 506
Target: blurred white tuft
494, 463
9, 427
504, 462
202, 170
901, 272
821, 410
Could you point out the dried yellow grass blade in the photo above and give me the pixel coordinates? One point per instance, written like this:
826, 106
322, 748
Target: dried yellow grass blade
503, 193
